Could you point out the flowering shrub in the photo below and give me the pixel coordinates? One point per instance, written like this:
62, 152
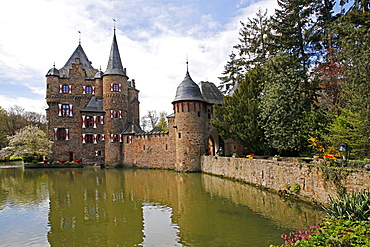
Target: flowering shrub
331, 233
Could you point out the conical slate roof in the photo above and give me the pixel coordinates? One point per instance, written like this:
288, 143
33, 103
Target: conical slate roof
53, 71
188, 90
86, 64
114, 63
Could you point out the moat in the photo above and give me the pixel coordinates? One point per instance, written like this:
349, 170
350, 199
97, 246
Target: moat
137, 207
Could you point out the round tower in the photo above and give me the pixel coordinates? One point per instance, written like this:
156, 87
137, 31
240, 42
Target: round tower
115, 95
190, 125
52, 88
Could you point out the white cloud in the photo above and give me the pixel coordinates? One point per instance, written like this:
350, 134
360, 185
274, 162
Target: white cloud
26, 103
154, 39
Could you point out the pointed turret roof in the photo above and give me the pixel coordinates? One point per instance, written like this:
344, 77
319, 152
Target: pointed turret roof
81, 55
114, 64
188, 90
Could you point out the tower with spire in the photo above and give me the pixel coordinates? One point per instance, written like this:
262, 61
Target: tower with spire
88, 108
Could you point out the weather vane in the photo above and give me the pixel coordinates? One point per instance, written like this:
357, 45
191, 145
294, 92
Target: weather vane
114, 24
79, 38
187, 63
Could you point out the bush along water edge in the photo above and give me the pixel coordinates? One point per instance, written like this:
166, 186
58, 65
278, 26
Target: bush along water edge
347, 223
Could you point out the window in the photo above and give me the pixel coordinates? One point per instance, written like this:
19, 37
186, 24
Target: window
65, 110
115, 87
179, 135
88, 90
129, 139
65, 89
89, 138
89, 122
61, 134
115, 114
116, 138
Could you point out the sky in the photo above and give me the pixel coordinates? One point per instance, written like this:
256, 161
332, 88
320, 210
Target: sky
155, 38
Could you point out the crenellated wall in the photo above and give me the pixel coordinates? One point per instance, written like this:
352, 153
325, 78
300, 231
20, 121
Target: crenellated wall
150, 150
313, 180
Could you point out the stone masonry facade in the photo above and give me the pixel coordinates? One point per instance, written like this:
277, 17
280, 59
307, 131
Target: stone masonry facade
93, 118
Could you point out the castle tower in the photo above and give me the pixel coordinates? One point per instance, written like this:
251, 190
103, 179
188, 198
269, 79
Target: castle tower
190, 125
115, 94
65, 97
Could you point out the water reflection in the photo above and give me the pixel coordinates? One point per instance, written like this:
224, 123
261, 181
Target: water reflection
80, 207
167, 234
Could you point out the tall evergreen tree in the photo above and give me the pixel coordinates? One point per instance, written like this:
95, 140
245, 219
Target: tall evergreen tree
283, 105
252, 51
352, 124
237, 117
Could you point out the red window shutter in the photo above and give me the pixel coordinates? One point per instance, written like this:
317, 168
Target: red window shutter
93, 90
70, 89
96, 153
102, 137
94, 121
111, 137
71, 110
95, 138
120, 87
59, 110
120, 114
111, 113
60, 88
83, 89
83, 138
101, 119
120, 138
111, 87
67, 134
55, 134
83, 121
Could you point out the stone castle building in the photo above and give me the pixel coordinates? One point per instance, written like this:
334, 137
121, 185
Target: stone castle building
93, 117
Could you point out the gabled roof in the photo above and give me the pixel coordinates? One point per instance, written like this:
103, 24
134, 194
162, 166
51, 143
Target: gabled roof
86, 64
94, 105
114, 66
188, 90
211, 94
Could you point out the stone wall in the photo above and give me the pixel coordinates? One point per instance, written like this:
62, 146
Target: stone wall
151, 150
314, 182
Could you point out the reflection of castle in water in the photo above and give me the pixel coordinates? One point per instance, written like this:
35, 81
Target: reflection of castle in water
115, 212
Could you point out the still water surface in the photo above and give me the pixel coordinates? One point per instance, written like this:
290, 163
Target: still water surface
132, 207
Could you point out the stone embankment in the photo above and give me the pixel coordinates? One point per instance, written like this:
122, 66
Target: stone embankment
310, 182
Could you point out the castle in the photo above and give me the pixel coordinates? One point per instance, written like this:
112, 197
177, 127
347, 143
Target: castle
93, 118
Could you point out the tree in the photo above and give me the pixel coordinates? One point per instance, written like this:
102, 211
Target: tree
352, 122
29, 142
3, 132
162, 124
253, 51
284, 106
154, 121
237, 117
